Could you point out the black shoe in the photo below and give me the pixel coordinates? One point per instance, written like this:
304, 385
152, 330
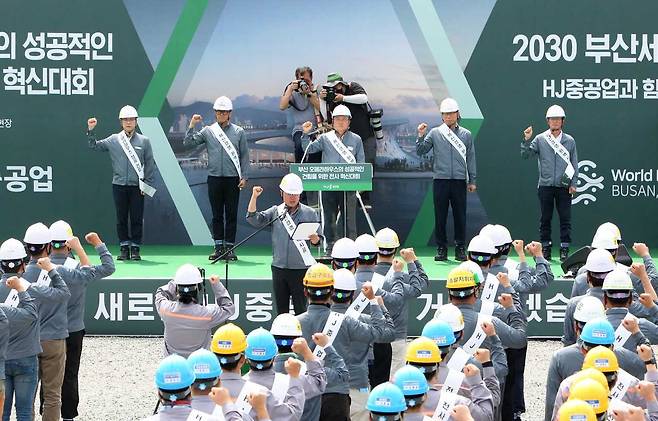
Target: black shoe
564, 253
231, 257
441, 254
460, 253
134, 253
219, 250
124, 253
547, 252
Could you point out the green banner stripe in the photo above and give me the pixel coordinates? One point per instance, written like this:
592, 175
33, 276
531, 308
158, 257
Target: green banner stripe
164, 75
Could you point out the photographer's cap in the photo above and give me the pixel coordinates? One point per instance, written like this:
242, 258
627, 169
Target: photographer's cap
334, 79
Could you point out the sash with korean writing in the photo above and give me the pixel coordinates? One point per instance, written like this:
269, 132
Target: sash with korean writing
228, 146
135, 162
560, 151
340, 147
290, 226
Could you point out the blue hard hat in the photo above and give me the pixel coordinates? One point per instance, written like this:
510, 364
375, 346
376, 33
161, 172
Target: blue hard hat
204, 364
411, 381
440, 332
174, 373
386, 398
598, 331
261, 345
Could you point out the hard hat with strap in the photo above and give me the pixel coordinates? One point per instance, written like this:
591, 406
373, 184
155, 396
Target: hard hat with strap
601, 358
610, 227
481, 249
593, 374
588, 308
206, 368
555, 111
576, 410
341, 110
187, 274
386, 399
387, 240
599, 262
37, 234
475, 269
460, 283
261, 349
344, 285
605, 240
412, 383
291, 184
618, 284
448, 105
592, 392
222, 103
423, 353
344, 253
598, 332
452, 314
319, 276
440, 332
285, 329
128, 111
173, 373
12, 254
366, 244
60, 233
228, 342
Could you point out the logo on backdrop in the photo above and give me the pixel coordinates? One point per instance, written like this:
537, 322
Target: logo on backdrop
589, 183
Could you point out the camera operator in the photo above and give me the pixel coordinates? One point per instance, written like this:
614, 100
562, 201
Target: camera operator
338, 91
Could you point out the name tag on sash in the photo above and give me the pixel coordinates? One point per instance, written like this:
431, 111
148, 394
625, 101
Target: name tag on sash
301, 245
340, 147
227, 145
562, 152
129, 150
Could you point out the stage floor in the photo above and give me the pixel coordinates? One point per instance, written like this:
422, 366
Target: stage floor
254, 262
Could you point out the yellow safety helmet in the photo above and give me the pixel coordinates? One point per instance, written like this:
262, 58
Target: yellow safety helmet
423, 351
228, 340
576, 410
461, 282
593, 374
592, 392
386, 238
319, 276
601, 358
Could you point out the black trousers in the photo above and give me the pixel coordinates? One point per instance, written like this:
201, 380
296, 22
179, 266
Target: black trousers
558, 197
224, 195
332, 203
370, 152
70, 397
129, 203
288, 283
311, 158
513, 400
335, 407
380, 371
450, 193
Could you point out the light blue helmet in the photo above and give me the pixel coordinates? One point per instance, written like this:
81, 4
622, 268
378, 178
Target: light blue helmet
386, 398
174, 373
205, 365
261, 346
440, 332
413, 384
598, 331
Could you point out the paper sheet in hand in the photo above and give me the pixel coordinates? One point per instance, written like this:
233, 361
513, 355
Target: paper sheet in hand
304, 230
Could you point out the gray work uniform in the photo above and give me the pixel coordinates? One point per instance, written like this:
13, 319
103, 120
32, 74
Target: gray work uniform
52, 302
356, 353
289, 409
580, 285
219, 162
551, 165
314, 381
285, 254
123, 173
480, 402
569, 360
187, 327
448, 163
647, 335
488, 377
23, 323
329, 154
77, 280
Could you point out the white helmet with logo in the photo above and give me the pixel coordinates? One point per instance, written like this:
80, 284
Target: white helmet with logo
286, 324
12, 249
451, 314
222, 103
555, 111
588, 308
187, 274
60, 231
600, 261
482, 244
366, 244
344, 280
128, 111
386, 238
448, 105
345, 248
37, 234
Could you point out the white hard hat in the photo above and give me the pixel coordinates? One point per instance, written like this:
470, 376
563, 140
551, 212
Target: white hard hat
618, 280
344, 280
497, 233
187, 274
482, 244
386, 238
555, 111
291, 184
128, 111
611, 228
37, 234
222, 103
345, 248
451, 314
12, 249
475, 269
366, 244
600, 261
341, 110
488, 231
285, 324
605, 240
588, 308
448, 105
60, 231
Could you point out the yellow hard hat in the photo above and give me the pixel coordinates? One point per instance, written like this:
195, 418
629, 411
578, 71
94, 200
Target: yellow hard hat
386, 238
601, 358
319, 276
423, 351
592, 392
576, 410
460, 278
228, 340
593, 374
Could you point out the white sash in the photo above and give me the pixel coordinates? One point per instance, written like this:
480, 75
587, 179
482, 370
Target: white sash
280, 386
43, 279
622, 334
561, 151
331, 328
456, 143
70, 263
228, 146
242, 401
135, 162
449, 391
624, 381
12, 298
197, 415
340, 147
490, 288
512, 271
301, 245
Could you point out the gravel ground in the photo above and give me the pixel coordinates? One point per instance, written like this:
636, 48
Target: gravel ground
116, 377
